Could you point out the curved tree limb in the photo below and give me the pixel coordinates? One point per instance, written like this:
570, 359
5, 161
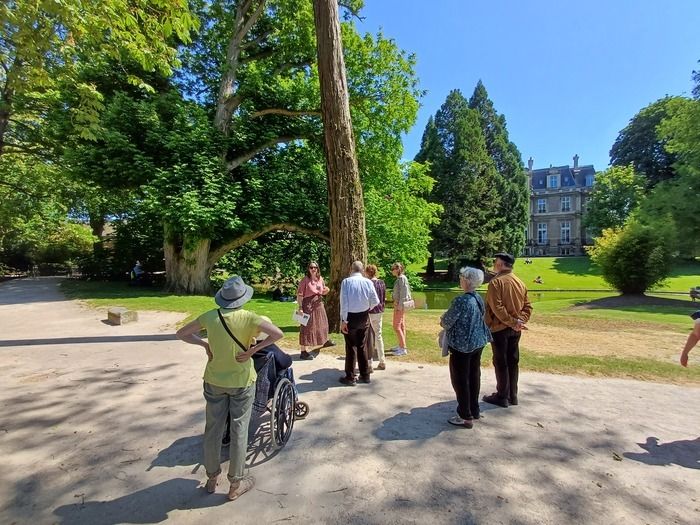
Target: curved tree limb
239, 241
285, 112
233, 164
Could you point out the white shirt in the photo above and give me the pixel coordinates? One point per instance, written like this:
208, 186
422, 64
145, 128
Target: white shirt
357, 294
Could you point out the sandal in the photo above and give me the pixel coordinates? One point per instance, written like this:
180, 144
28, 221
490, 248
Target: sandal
240, 487
211, 484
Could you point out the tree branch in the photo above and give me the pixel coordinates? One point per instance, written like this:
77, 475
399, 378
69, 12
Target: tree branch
217, 254
258, 40
285, 112
352, 11
233, 164
258, 56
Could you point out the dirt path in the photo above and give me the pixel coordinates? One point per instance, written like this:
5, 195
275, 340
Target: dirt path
102, 425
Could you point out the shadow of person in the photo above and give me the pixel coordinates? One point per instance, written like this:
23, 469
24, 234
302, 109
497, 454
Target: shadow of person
149, 505
684, 453
320, 380
421, 422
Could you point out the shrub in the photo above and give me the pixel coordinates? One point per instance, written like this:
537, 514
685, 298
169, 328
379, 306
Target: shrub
637, 256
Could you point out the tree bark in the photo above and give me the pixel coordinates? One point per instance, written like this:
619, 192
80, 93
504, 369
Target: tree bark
187, 266
345, 200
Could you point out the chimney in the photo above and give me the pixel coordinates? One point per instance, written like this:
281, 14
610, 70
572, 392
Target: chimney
530, 162
576, 161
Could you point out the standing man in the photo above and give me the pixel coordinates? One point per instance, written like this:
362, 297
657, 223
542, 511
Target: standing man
357, 298
507, 311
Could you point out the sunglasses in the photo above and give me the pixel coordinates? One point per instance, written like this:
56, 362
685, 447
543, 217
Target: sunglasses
313, 267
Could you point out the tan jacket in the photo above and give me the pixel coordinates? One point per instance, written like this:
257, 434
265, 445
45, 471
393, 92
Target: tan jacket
506, 302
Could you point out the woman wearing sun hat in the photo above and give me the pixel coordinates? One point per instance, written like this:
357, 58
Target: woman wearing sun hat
229, 378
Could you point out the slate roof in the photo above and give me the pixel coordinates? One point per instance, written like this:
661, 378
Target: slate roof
568, 177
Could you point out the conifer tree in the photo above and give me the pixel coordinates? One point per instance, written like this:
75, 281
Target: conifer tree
512, 183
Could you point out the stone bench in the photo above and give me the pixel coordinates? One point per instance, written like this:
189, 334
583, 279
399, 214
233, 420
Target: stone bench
120, 315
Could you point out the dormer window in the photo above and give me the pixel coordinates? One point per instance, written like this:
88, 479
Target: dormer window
590, 179
553, 181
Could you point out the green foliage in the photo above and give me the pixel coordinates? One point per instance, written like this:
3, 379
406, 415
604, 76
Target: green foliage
636, 257
641, 145
44, 42
616, 193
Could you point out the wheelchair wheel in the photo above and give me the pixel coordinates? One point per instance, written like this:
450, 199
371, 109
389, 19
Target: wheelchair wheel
301, 410
282, 412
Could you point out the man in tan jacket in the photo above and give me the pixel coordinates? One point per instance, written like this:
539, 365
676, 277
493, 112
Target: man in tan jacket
507, 310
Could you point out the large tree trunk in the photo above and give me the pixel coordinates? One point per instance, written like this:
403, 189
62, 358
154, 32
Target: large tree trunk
187, 266
345, 201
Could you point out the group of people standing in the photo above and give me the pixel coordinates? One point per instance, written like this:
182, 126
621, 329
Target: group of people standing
359, 310
469, 324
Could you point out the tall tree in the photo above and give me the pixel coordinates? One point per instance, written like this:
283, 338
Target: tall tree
640, 144
345, 200
471, 224
512, 184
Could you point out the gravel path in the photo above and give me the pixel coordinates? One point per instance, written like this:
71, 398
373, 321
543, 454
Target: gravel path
102, 424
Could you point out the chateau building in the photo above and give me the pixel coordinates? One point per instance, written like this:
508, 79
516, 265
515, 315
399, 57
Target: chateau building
558, 196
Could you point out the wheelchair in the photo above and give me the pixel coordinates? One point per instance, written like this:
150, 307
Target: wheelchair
276, 393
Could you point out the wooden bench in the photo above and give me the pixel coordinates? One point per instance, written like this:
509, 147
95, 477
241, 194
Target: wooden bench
119, 315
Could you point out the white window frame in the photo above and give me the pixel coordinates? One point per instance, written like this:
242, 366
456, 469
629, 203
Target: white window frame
555, 179
541, 205
565, 227
590, 179
542, 233
566, 199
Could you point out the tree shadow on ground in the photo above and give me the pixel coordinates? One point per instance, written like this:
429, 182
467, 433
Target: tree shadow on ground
576, 266
423, 422
150, 505
88, 340
321, 380
187, 451
637, 302
684, 453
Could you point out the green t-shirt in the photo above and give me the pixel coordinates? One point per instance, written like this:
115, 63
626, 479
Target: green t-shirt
223, 370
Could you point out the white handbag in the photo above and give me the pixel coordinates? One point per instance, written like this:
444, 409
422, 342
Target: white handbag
409, 305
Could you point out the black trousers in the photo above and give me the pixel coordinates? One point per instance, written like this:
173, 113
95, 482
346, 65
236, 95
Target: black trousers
506, 355
355, 344
465, 374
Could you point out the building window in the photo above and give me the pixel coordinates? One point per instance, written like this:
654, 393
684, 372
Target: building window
553, 181
566, 204
590, 179
565, 232
542, 233
541, 205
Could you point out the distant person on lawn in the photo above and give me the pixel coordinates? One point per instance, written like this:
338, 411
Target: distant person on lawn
229, 378
507, 310
693, 338
399, 295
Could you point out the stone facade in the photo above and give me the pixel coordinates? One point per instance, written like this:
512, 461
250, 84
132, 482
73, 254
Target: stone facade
558, 196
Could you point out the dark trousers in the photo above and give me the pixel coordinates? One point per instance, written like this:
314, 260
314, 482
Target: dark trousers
355, 344
506, 355
465, 373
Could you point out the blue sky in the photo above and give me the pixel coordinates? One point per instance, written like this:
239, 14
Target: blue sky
567, 75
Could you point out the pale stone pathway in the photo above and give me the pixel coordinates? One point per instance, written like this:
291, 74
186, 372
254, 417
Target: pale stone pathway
102, 425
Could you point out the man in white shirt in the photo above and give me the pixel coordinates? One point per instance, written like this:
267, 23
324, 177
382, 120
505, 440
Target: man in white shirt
357, 298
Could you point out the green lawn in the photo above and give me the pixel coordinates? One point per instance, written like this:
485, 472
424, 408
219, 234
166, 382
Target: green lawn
577, 273
552, 307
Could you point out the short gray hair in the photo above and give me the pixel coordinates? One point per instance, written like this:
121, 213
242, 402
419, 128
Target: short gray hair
357, 266
473, 276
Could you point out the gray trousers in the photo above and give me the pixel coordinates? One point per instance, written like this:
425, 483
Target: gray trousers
220, 403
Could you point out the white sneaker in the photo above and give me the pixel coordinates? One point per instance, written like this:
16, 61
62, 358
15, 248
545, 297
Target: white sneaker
400, 352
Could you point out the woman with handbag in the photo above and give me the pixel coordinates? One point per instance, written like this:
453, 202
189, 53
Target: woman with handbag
229, 378
401, 295
310, 300
466, 334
